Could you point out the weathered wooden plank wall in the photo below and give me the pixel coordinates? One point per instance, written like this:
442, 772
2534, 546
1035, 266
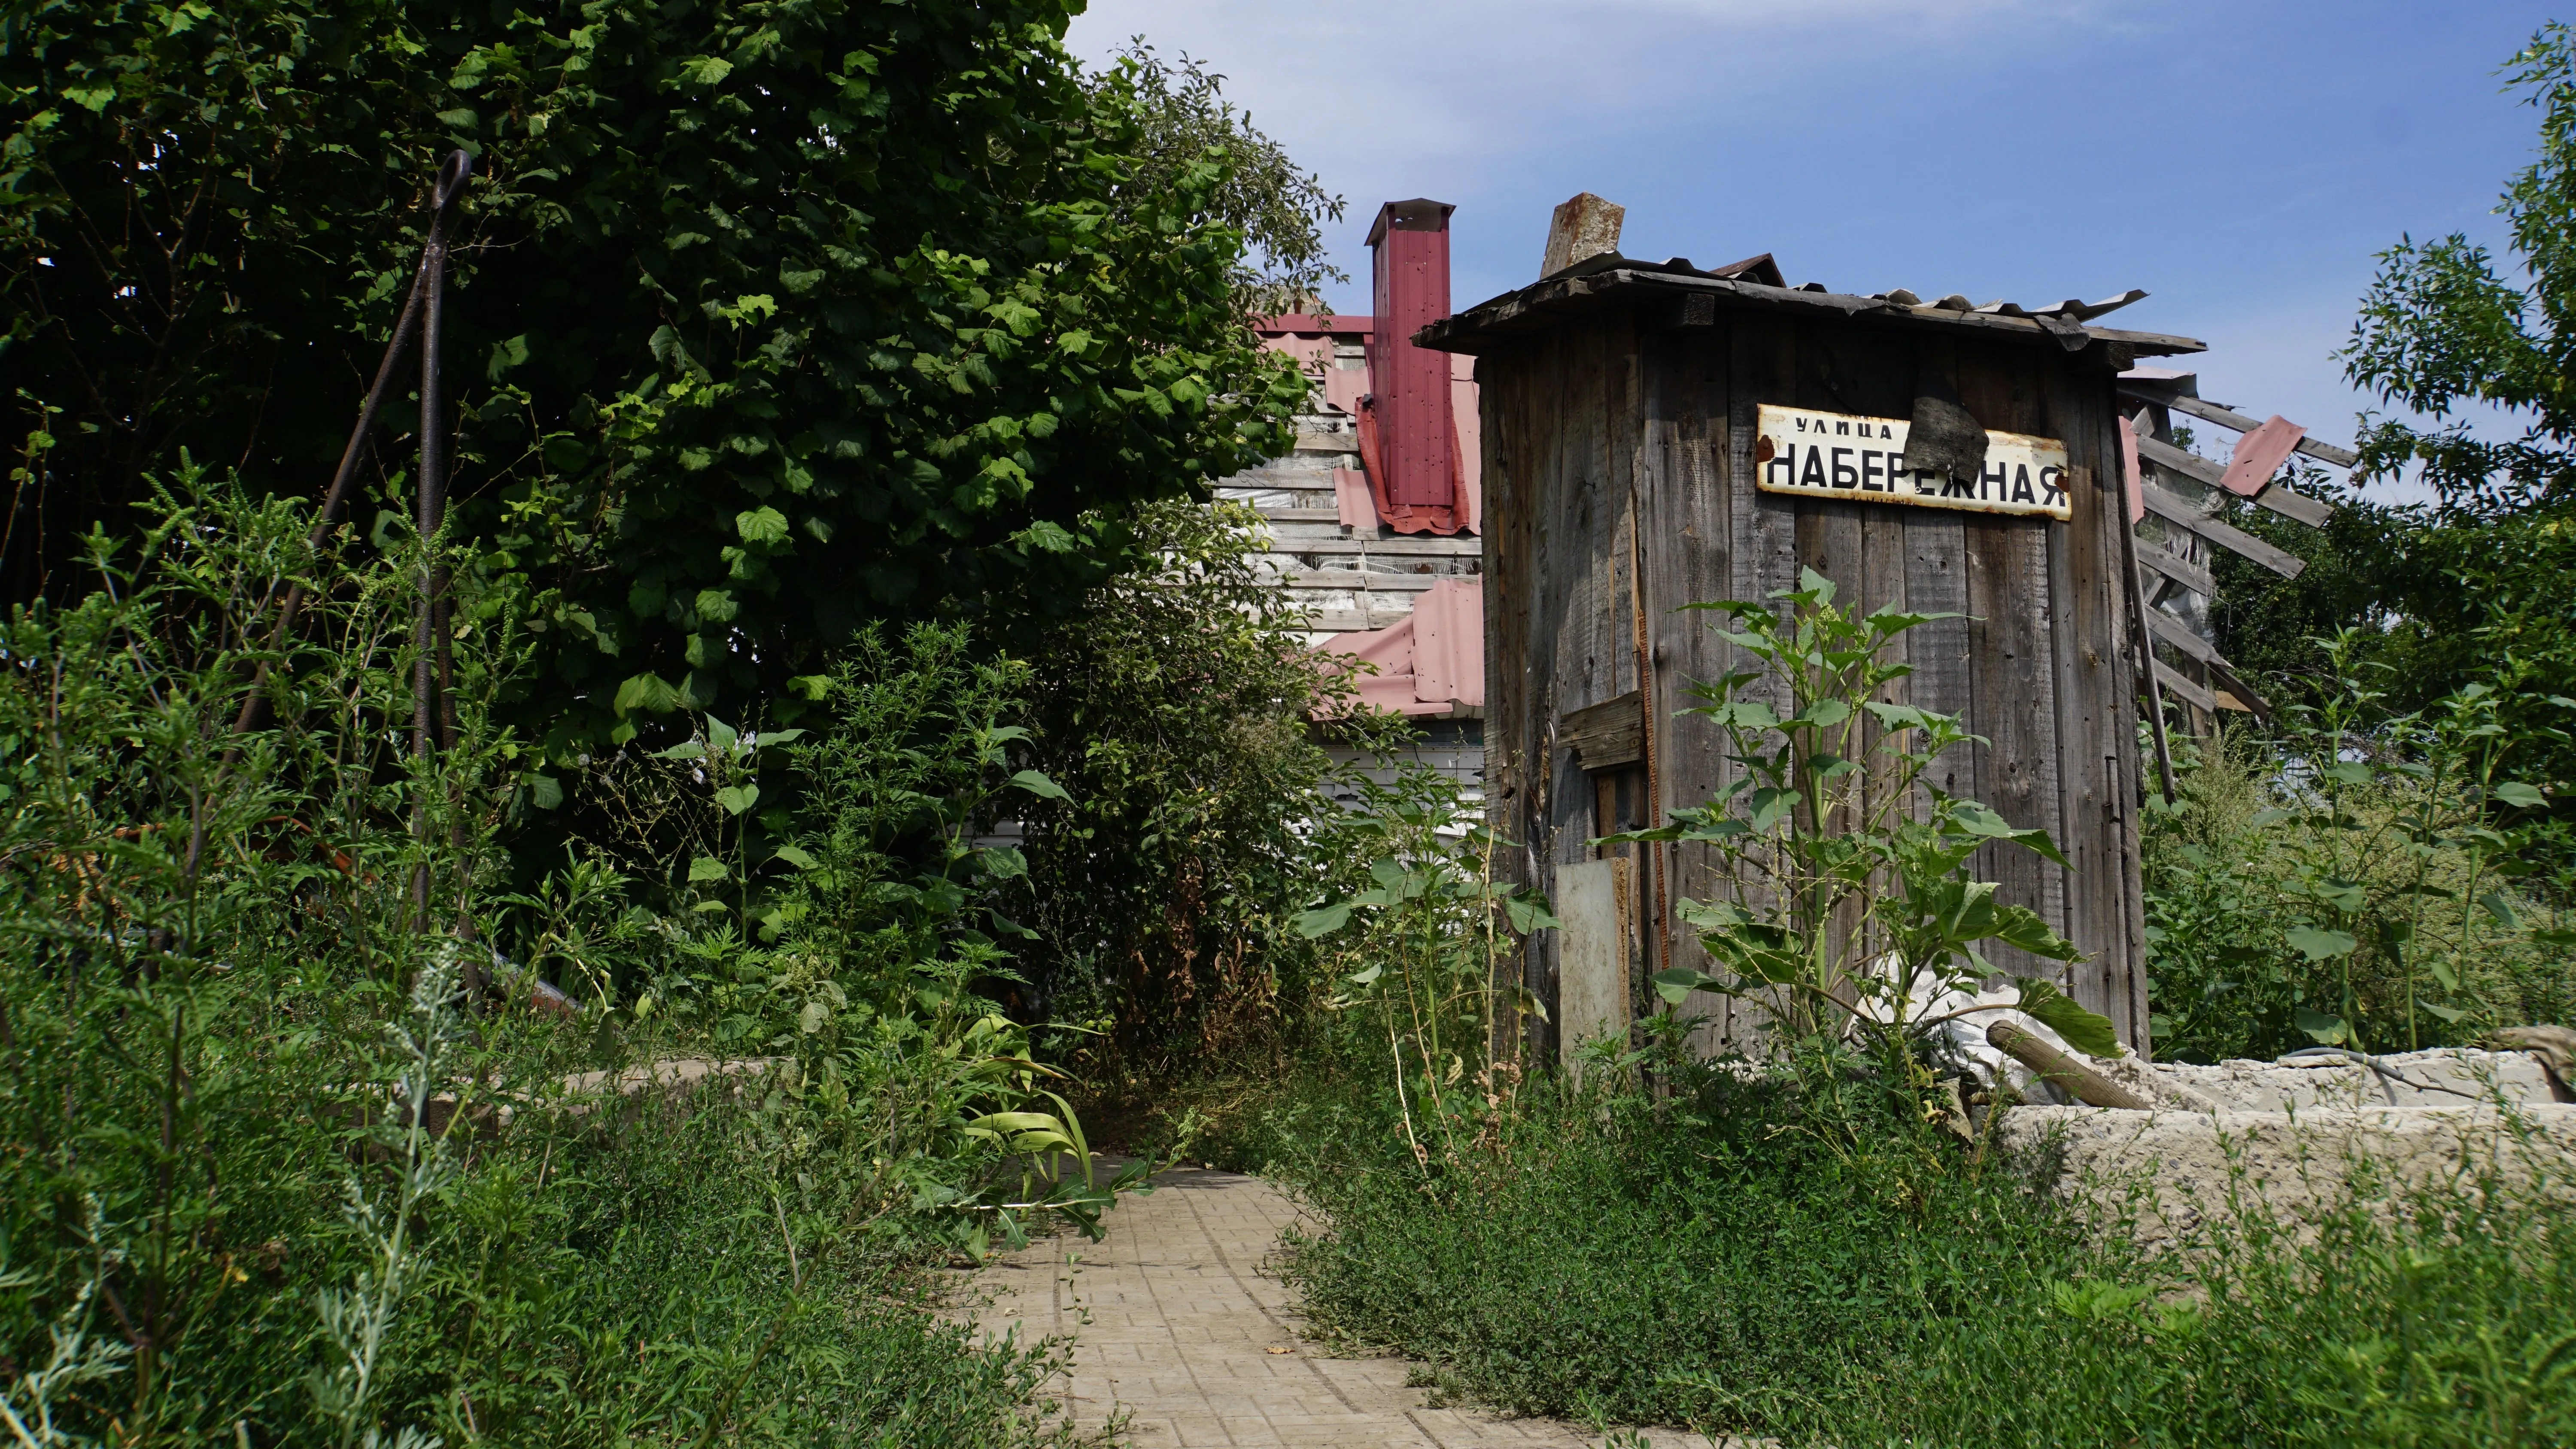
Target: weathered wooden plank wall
1611, 418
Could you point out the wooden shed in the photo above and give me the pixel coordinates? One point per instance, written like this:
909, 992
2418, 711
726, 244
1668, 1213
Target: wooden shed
1625, 407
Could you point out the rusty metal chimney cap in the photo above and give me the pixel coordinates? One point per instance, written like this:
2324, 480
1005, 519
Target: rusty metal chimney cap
1419, 214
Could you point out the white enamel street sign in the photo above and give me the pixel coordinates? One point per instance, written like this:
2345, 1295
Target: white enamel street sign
1860, 460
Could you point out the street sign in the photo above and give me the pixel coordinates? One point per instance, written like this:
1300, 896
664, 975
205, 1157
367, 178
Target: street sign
1861, 460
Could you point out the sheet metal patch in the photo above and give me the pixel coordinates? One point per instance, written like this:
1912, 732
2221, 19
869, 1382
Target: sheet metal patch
1862, 460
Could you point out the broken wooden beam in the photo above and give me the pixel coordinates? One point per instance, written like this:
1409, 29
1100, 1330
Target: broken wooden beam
2281, 499
2085, 1084
2174, 510
2238, 690
2181, 570
2182, 402
2292, 504
2177, 633
2185, 688
1360, 580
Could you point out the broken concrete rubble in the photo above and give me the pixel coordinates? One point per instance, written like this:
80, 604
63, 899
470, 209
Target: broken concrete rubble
2301, 1137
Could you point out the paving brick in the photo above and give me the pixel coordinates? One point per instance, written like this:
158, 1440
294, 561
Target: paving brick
1172, 1321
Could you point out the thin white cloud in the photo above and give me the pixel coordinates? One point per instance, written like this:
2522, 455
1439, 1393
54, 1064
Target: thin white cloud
1396, 98
2031, 149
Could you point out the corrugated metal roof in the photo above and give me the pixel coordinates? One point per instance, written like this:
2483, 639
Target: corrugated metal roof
1612, 280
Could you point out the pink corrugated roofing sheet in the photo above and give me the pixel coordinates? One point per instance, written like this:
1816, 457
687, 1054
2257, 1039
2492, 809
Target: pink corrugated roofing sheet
1391, 651
1431, 659
1351, 497
1449, 643
1313, 354
1344, 387
2260, 454
1469, 454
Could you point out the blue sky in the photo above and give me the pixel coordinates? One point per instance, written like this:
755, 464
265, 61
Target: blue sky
2242, 162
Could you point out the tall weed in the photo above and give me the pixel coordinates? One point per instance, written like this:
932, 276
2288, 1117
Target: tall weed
1845, 908
2360, 877
284, 1171
1175, 711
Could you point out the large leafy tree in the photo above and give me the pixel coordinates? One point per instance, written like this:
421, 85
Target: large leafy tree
2470, 587
2442, 328
770, 316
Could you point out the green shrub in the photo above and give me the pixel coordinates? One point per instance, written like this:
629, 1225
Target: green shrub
283, 1171
1175, 709
2357, 876
767, 320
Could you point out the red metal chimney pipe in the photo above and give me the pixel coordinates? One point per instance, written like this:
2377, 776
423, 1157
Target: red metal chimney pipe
1416, 441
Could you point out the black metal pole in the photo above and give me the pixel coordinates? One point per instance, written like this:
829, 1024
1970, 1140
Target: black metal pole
431, 498
328, 516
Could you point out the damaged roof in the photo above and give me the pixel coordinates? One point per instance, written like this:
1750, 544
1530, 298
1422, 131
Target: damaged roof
1610, 279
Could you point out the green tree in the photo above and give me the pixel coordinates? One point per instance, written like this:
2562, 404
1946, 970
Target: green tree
2441, 328
2469, 588
770, 316
1279, 207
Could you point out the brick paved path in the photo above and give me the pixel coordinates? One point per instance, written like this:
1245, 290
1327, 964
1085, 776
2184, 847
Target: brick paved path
1177, 1325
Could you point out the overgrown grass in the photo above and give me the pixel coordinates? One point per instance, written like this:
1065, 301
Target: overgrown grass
1724, 1259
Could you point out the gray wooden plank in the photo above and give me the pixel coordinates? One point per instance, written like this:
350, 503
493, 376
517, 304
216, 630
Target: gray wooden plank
2012, 658
1775, 556
2178, 634
2177, 568
1762, 369
1577, 553
2294, 505
2182, 686
2157, 451
1629, 474
1875, 380
1936, 582
2229, 418
2173, 510
1691, 560
2098, 741
1500, 421
1370, 580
